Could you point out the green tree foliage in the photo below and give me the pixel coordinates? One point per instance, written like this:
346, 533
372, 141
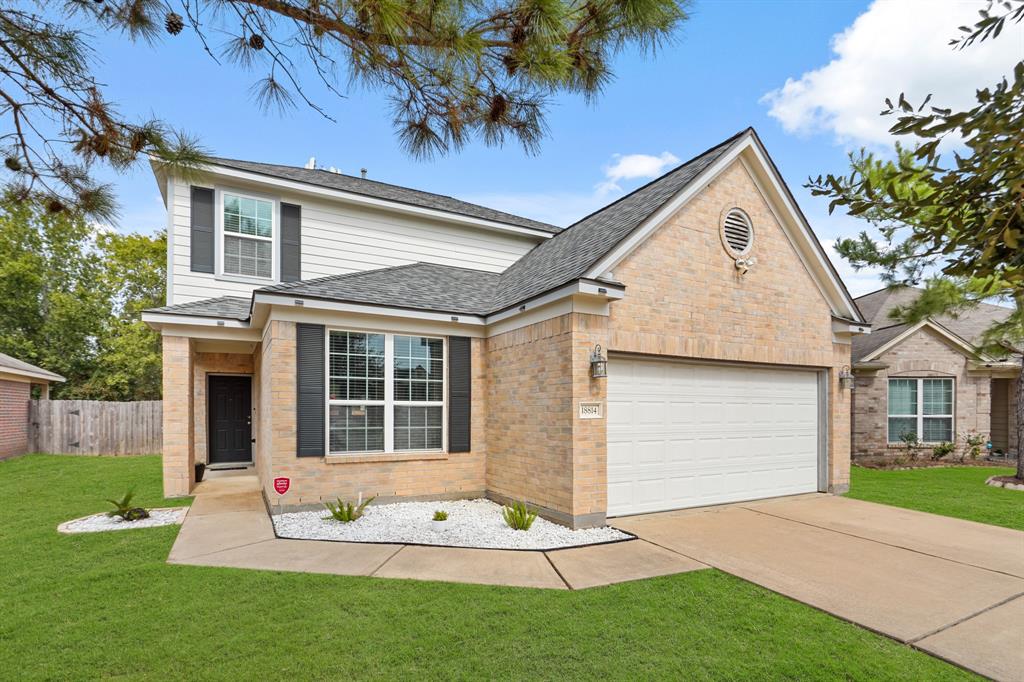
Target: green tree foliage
70, 298
453, 70
955, 224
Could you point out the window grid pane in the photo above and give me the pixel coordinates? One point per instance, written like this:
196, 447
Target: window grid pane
419, 369
247, 257
356, 428
937, 429
253, 217
938, 396
899, 426
902, 397
418, 428
356, 366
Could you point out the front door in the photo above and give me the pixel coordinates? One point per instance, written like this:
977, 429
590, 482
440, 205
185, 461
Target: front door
229, 401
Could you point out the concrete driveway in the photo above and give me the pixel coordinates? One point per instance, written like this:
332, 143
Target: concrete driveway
950, 587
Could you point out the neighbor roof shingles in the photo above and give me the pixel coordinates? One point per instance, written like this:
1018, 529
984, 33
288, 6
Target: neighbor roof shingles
382, 190
16, 366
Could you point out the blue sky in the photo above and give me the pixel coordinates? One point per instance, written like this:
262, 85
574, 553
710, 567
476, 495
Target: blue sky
840, 59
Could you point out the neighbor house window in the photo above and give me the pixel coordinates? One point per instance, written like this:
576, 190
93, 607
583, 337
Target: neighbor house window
248, 226
923, 407
385, 392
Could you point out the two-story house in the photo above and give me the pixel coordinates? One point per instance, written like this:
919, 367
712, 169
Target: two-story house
683, 346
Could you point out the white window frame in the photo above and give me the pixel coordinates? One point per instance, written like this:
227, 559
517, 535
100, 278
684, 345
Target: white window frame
920, 415
221, 234
389, 401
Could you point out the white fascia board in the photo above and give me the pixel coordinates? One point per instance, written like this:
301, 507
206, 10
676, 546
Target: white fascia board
952, 338
747, 149
285, 299
28, 374
585, 287
384, 204
848, 327
213, 333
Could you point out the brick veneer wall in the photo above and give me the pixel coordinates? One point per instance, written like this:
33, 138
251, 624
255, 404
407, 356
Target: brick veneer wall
14, 399
685, 298
179, 416
315, 479
924, 354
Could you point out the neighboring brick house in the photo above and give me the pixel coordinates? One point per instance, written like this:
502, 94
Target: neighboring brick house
929, 379
359, 337
17, 380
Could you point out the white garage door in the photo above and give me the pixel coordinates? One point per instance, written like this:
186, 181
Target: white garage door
688, 435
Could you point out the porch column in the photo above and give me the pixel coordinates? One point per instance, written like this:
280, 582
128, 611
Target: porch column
178, 417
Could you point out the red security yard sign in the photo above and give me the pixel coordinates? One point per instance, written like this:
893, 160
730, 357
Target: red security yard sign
282, 484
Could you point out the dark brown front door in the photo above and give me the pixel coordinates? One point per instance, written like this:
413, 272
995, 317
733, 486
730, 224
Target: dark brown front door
229, 401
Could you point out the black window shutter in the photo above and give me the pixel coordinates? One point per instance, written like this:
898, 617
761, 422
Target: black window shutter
291, 243
201, 232
460, 373
309, 408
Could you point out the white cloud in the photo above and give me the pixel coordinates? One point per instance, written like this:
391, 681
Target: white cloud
632, 167
891, 48
565, 208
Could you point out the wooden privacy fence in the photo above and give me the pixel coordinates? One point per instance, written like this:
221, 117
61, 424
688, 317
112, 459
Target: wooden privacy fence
95, 427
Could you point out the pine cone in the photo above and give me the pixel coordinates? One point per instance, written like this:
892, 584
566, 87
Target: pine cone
54, 206
174, 23
12, 163
256, 41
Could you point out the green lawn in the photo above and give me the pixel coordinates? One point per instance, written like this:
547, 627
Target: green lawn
952, 491
106, 605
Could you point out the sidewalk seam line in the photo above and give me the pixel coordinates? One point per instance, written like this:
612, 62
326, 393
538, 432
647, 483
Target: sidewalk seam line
225, 549
389, 558
882, 542
936, 631
558, 573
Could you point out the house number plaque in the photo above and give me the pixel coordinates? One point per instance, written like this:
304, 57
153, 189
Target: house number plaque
591, 411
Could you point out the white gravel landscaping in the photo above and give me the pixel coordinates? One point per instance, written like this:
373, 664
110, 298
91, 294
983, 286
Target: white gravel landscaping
471, 523
98, 523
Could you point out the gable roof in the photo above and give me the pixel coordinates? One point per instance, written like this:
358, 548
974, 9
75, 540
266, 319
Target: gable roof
383, 190
967, 327
13, 365
570, 254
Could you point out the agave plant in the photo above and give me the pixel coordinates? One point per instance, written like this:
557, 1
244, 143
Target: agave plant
126, 510
347, 512
518, 516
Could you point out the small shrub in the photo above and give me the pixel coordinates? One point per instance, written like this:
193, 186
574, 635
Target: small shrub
941, 450
126, 510
440, 515
519, 516
346, 512
974, 442
911, 441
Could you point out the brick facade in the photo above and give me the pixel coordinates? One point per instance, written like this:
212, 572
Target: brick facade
924, 354
685, 298
14, 399
179, 416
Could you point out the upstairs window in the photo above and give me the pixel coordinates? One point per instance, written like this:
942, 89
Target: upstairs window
923, 407
248, 236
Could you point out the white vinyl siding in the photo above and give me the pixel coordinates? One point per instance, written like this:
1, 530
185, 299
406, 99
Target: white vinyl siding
923, 407
338, 238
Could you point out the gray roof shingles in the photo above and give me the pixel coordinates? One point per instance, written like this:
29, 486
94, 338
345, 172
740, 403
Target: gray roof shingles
225, 307
876, 306
382, 190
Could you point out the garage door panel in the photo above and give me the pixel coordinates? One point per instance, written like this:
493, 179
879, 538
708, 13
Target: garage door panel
683, 435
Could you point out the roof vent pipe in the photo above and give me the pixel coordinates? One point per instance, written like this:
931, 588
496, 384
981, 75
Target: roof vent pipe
311, 164
362, 173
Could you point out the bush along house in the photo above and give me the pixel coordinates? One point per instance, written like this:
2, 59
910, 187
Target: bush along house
686, 345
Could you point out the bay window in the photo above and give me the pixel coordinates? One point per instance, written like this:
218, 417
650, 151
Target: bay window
385, 392
923, 407
248, 236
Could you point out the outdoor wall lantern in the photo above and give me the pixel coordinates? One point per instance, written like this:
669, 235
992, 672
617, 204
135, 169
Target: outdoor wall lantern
598, 364
846, 377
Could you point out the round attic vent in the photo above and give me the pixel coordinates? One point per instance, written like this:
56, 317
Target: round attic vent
737, 233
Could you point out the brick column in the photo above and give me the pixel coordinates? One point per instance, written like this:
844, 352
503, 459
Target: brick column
179, 423
589, 436
840, 408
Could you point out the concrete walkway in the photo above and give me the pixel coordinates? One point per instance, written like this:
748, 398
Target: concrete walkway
228, 525
950, 587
